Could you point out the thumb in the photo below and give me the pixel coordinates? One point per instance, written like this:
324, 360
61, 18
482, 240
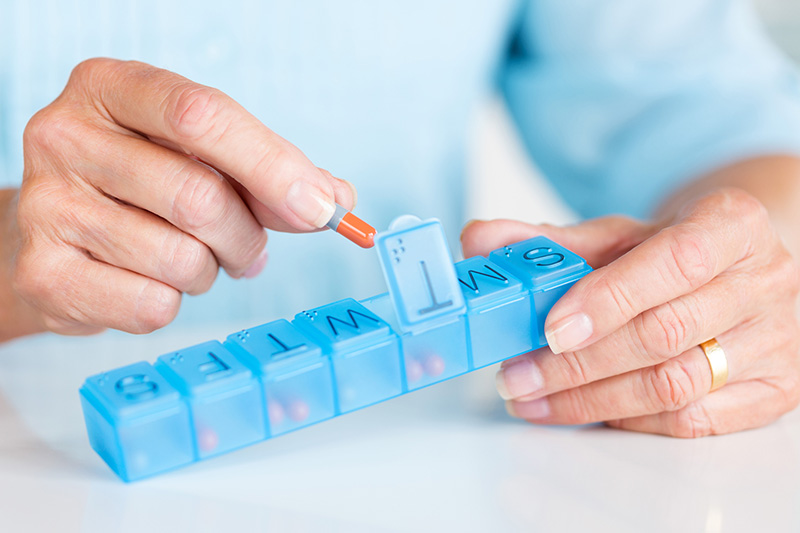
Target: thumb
599, 240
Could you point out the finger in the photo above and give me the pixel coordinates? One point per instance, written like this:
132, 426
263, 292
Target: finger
668, 386
209, 124
133, 239
735, 407
64, 326
650, 338
344, 191
189, 194
71, 288
716, 234
599, 240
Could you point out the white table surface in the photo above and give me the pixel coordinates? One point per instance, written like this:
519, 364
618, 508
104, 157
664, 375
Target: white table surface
446, 458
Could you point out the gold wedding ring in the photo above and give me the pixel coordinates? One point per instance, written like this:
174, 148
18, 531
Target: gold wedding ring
717, 361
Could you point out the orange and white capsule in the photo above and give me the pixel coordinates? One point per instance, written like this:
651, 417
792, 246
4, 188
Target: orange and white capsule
351, 227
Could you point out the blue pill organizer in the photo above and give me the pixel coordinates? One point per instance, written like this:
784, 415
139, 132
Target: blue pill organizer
438, 321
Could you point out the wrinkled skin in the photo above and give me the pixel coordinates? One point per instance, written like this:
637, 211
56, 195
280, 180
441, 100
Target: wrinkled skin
623, 342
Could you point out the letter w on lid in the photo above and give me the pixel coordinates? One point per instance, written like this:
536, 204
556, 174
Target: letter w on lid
342, 325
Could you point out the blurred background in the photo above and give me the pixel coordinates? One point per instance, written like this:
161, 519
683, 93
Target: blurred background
782, 19
497, 160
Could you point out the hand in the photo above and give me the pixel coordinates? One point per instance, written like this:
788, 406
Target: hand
623, 341
117, 216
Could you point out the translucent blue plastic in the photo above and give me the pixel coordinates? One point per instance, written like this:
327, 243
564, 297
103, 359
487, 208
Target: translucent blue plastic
430, 354
363, 348
137, 421
419, 271
544, 267
295, 376
498, 303
224, 398
439, 320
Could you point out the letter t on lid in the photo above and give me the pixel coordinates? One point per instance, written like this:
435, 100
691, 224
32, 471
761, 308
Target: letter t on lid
419, 271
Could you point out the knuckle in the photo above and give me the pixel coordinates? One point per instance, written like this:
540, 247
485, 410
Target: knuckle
665, 331
673, 385
618, 292
157, 307
572, 365
742, 213
51, 129
275, 160
28, 206
88, 70
200, 201
47, 280
693, 262
740, 205
188, 259
47, 207
576, 408
203, 283
691, 422
41, 194
195, 111
28, 278
188, 263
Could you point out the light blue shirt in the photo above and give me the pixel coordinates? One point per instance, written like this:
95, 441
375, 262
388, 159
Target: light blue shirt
618, 101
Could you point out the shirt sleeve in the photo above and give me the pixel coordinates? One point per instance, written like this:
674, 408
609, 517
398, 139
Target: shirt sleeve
620, 102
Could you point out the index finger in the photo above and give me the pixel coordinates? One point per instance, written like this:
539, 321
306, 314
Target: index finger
715, 234
207, 123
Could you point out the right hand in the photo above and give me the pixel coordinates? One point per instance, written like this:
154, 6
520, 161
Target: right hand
116, 215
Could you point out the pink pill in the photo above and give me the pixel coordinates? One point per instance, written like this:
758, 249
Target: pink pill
275, 412
414, 370
207, 440
298, 410
433, 365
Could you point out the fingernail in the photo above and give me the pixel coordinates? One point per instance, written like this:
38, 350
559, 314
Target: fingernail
532, 410
307, 202
510, 409
569, 332
257, 266
519, 378
354, 192
468, 224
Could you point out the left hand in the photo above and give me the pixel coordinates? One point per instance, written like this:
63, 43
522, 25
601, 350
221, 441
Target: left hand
624, 339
